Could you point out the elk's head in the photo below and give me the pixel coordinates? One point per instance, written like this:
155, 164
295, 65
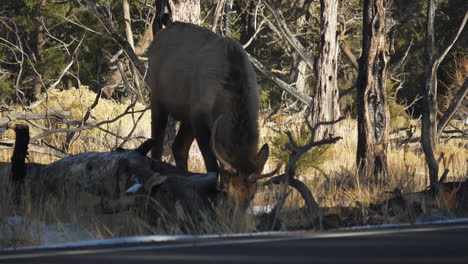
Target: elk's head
239, 175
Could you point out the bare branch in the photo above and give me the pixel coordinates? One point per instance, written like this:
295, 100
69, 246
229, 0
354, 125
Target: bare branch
260, 27
218, 13
349, 55
68, 66
278, 15
89, 125
283, 85
58, 115
455, 38
454, 105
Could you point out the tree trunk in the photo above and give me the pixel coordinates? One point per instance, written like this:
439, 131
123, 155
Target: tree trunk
129, 35
37, 83
373, 114
429, 114
325, 107
228, 17
186, 11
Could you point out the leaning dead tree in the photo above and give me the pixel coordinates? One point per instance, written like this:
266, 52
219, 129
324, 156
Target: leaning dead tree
373, 114
430, 131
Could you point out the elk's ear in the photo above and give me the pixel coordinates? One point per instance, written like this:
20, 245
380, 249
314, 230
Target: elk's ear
262, 157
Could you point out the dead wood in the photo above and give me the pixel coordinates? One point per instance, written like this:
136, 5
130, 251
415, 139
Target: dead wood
110, 175
452, 195
454, 105
58, 115
286, 34
123, 180
288, 178
302, 97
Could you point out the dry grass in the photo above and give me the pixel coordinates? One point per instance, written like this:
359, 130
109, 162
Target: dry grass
334, 182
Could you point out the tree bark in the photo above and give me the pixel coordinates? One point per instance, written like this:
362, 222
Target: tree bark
186, 11
373, 114
40, 30
429, 114
325, 107
227, 17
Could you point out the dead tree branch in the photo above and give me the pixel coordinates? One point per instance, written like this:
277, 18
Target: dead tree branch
288, 178
218, 13
454, 105
57, 115
283, 85
279, 18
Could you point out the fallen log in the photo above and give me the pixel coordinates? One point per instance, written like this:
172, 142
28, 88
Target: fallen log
111, 176
127, 179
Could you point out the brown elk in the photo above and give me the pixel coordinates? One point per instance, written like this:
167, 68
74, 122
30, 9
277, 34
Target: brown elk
207, 83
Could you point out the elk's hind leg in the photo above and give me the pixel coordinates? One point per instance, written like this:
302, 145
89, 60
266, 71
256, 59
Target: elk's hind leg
158, 126
181, 145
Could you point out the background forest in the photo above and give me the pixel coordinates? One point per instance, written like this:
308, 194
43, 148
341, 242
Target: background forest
59, 56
